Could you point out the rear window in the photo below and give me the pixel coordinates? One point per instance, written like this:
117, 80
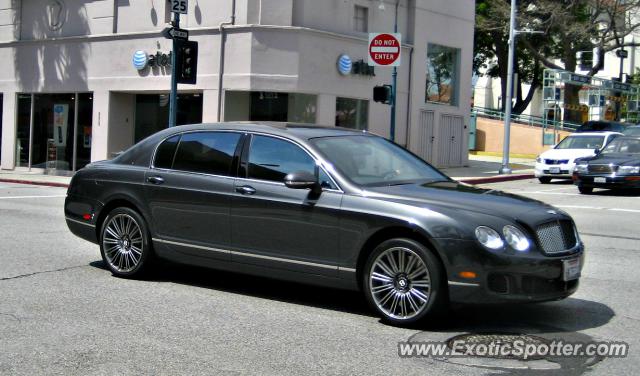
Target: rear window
165, 153
206, 152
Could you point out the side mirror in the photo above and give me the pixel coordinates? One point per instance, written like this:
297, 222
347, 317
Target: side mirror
302, 180
596, 151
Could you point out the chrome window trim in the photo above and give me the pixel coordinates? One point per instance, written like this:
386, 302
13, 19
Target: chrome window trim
272, 258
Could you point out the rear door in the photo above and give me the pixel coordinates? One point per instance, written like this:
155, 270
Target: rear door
280, 227
189, 190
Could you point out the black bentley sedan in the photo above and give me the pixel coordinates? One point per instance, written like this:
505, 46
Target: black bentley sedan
322, 205
617, 166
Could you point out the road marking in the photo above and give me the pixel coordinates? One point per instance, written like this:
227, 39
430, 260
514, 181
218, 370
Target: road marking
21, 197
597, 208
547, 193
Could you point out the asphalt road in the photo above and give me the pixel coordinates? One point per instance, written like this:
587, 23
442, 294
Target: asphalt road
61, 312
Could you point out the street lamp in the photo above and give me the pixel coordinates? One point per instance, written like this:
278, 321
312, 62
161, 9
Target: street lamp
505, 169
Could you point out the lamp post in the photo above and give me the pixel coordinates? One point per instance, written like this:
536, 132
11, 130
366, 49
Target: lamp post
505, 169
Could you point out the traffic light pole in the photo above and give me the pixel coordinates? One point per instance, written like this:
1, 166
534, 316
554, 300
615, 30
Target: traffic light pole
505, 169
173, 96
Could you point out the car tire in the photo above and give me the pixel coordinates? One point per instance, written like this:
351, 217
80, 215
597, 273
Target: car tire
125, 244
544, 180
395, 287
585, 190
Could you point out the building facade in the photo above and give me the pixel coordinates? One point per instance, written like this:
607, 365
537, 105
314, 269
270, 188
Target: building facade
83, 80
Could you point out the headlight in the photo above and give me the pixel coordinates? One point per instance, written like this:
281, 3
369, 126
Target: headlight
515, 238
581, 168
489, 237
628, 170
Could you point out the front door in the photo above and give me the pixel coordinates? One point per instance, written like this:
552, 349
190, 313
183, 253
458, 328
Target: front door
280, 227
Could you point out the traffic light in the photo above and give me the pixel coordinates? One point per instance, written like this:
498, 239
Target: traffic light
382, 94
186, 61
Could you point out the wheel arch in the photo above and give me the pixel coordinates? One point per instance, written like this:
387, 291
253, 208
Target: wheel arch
117, 202
390, 233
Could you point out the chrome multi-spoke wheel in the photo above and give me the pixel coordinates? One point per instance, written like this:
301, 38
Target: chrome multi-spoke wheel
400, 283
403, 280
124, 242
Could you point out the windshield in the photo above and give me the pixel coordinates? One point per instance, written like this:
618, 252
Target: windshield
623, 146
581, 142
632, 131
374, 161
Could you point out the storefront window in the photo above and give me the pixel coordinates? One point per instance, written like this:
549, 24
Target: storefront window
352, 113
442, 74
270, 106
22, 137
56, 135
152, 112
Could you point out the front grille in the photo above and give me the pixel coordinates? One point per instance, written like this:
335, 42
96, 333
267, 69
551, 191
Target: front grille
556, 237
603, 168
556, 161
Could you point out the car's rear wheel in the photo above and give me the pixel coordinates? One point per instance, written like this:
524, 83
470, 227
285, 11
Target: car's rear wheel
585, 190
544, 180
403, 281
125, 244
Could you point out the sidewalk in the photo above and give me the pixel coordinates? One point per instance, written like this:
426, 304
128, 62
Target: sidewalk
482, 169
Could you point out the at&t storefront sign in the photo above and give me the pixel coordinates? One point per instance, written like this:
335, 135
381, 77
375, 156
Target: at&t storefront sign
141, 60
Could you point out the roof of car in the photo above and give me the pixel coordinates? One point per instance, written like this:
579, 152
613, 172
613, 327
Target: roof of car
298, 130
605, 133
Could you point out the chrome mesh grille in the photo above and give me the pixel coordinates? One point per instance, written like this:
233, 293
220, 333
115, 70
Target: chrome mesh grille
556, 237
602, 168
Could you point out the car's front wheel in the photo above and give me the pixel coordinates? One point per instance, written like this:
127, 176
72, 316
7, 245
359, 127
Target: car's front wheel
125, 244
544, 180
403, 281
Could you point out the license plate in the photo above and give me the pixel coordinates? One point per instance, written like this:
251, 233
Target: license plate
570, 269
599, 180
554, 170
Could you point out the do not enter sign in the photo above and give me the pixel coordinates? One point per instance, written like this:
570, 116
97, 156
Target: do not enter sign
384, 49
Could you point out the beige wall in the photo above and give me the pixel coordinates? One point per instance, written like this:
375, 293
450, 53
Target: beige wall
524, 139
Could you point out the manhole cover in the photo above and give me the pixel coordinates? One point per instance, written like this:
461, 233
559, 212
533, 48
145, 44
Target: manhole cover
500, 346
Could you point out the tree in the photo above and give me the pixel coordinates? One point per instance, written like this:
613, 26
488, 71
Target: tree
568, 26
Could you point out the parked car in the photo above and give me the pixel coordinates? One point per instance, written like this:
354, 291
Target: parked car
617, 166
602, 126
559, 162
632, 131
327, 206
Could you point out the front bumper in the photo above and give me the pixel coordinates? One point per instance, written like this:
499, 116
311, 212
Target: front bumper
612, 181
558, 171
533, 277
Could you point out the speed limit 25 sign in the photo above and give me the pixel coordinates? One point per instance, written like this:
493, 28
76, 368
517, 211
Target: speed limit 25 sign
179, 6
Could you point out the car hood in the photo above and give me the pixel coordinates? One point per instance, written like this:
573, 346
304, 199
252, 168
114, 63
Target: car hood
467, 198
616, 159
567, 153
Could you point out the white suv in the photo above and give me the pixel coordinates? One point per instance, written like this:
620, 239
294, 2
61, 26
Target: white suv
559, 162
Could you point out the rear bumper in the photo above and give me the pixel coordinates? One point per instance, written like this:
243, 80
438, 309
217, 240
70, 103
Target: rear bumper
81, 215
503, 278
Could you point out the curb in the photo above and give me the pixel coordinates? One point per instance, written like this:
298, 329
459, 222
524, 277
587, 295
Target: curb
497, 179
32, 182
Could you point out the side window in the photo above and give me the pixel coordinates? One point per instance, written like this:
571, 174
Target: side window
206, 152
272, 159
166, 152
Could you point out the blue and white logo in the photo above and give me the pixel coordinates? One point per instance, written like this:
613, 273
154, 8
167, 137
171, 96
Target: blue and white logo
344, 64
140, 59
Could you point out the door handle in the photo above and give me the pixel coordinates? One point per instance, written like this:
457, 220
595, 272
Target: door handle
246, 190
155, 180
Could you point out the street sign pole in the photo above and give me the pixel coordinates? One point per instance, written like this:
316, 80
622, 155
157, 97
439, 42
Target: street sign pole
394, 83
173, 96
